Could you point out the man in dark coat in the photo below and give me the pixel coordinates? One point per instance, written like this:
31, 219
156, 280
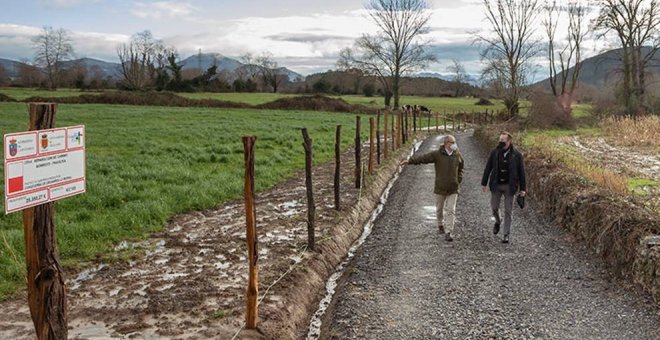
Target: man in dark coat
505, 175
449, 164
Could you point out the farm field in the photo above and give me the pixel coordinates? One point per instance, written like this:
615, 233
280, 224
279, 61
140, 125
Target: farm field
146, 164
440, 104
20, 93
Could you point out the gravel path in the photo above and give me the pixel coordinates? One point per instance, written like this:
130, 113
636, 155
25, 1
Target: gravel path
407, 282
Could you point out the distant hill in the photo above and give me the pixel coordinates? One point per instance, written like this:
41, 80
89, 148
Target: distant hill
204, 61
470, 78
605, 69
353, 82
10, 66
107, 69
194, 62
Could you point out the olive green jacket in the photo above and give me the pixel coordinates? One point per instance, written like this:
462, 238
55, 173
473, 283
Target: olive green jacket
448, 169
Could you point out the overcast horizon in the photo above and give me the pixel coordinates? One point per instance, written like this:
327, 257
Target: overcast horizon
304, 36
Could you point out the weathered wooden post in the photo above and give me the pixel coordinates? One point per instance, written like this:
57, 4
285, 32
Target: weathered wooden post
428, 122
337, 167
453, 122
378, 138
385, 135
371, 146
251, 233
394, 120
436, 122
415, 121
358, 158
311, 208
444, 119
46, 290
405, 128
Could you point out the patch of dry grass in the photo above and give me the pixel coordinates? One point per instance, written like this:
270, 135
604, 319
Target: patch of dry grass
554, 153
627, 131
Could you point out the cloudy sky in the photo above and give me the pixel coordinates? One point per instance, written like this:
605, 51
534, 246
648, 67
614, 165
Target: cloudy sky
303, 35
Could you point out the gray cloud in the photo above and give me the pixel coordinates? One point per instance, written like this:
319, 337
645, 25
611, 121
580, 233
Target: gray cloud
307, 37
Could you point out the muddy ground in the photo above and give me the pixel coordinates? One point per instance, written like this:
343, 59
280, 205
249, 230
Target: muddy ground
189, 281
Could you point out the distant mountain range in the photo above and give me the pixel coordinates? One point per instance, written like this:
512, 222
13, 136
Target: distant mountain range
10, 66
112, 70
469, 78
605, 69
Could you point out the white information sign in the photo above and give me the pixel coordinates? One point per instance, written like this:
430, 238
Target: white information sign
43, 166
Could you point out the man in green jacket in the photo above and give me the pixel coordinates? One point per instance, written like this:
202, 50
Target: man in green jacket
448, 177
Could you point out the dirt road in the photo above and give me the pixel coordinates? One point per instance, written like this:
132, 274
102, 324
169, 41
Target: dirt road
407, 282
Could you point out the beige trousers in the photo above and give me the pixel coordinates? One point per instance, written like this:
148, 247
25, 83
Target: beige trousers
445, 210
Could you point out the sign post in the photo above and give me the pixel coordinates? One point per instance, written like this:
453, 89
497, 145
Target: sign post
41, 166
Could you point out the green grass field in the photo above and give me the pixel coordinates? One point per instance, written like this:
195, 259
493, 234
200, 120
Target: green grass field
145, 164
19, 93
440, 104
247, 98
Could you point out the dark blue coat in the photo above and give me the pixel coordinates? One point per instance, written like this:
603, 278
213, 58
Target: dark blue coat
516, 172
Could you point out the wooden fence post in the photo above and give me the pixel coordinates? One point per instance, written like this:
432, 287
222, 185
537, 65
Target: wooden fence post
337, 167
405, 128
385, 135
358, 158
251, 233
393, 130
428, 122
378, 138
436, 122
444, 120
414, 121
371, 146
46, 290
311, 208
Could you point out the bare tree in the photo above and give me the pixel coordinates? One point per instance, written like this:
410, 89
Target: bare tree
493, 79
458, 77
512, 45
52, 47
397, 49
250, 69
565, 55
370, 65
139, 59
269, 72
636, 23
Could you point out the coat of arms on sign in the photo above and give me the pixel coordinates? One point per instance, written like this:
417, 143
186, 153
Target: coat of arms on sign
44, 141
13, 148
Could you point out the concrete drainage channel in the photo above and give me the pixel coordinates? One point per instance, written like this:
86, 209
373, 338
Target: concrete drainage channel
315, 323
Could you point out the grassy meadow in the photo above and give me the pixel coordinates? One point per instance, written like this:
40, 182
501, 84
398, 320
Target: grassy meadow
20, 93
439, 104
145, 164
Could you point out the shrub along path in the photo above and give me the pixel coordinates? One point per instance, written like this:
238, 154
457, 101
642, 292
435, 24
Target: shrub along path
407, 282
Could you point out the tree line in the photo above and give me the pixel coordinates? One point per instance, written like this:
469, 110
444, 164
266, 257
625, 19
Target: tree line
519, 33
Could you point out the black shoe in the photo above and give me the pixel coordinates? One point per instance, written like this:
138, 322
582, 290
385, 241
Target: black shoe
496, 228
448, 237
441, 228
505, 239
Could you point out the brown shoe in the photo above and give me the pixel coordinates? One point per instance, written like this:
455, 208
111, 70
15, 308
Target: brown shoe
448, 237
441, 228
